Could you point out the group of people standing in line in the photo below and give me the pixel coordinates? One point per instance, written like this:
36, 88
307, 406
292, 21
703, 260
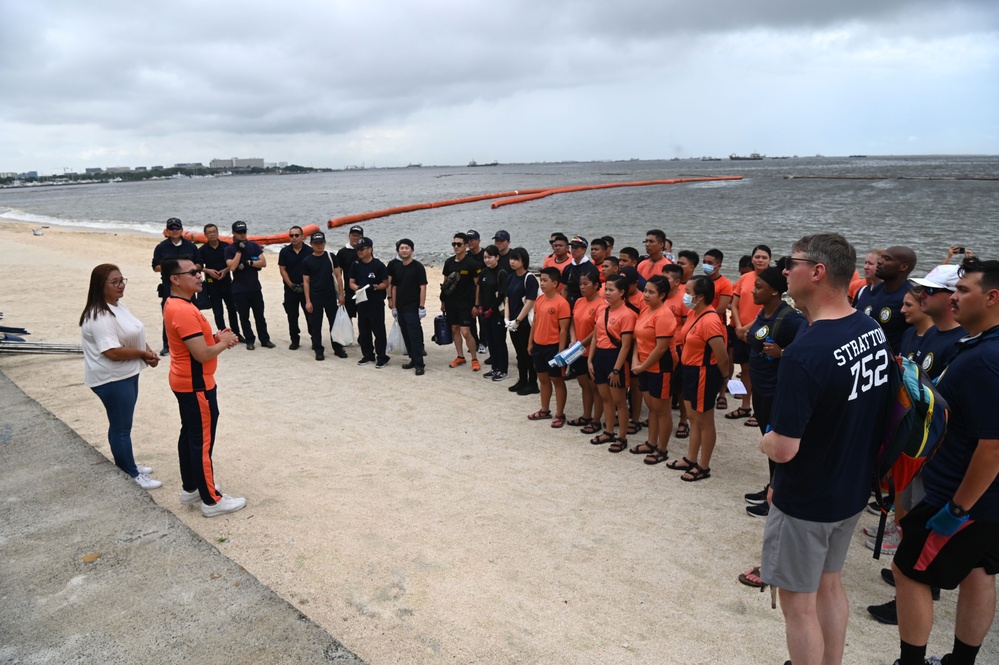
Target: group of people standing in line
636, 329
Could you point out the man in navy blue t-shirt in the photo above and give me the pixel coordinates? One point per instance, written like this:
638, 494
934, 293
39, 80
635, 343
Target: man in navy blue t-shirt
370, 275
894, 267
826, 423
951, 539
245, 260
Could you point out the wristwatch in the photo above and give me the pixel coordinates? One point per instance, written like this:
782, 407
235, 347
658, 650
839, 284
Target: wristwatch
615, 371
956, 510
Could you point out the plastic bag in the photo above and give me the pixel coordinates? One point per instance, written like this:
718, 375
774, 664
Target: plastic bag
396, 344
342, 331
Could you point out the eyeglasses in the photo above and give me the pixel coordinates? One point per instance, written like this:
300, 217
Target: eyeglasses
457, 244
194, 272
118, 282
790, 260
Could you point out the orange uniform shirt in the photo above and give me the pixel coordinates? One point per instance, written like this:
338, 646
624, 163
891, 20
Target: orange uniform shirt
723, 287
584, 318
550, 262
647, 268
652, 326
695, 336
620, 320
637, 299
547, 314
183, 320
744, 289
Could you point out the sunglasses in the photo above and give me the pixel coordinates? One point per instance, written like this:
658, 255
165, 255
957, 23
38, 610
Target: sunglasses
194, 272
457, 244
294, 235
790, 260
933, 290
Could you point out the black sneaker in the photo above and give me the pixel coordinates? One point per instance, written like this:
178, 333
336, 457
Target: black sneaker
409, 365
381, 363
487, 361
165, 351
887, 613
756, 498
240, 338
365, 361
488, 375
529, 389
267, 345
293, 346
758, 510
516, 387
250, 346
320, 355
419, 371
340, 353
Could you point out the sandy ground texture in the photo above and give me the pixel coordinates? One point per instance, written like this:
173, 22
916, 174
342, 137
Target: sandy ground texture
425, 519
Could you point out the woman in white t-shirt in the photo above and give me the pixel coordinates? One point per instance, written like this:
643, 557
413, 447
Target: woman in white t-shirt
114, 352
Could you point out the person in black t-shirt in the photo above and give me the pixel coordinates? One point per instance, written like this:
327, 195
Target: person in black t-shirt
245, 259
458, 299
290, 264
894, 267
479, 329
409, 296
492, 294
322, 288
174, 247
826, 425
345, 257
370, 275
218, 281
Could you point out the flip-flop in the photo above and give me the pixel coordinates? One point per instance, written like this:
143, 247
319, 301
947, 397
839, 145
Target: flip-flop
752, 578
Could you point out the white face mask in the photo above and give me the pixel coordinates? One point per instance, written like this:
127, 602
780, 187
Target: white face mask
688, 301
707, 268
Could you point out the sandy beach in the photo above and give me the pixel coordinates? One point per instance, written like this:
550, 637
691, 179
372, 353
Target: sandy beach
425, 519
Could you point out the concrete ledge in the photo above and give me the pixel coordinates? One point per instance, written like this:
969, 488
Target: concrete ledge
92, 570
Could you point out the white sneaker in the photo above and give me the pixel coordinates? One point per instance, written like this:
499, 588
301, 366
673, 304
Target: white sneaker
872, 531
187, 498
890, 542
147, 483
148, 470
228, 504
482, 349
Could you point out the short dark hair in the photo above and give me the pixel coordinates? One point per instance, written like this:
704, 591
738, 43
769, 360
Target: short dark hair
169, 267
659, 235
560, 236
553, 273
745, 261
630, 252
462, 236
715, 253
620, 282
673, 268
404, 241
598, 242
521, 255
296, 227
591, 277
209, 226
609, 240
690, 255
704, 286
988, 269
613, 260
765, 248
834, 252
491, 250
661, 283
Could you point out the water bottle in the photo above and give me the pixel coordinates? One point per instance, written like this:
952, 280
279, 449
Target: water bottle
768, 340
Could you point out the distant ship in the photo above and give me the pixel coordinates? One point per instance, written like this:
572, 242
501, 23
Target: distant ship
858, 156
710, 159
414, 166
475, 163
752, 157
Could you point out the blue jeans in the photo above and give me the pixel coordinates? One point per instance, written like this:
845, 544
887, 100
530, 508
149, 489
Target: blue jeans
119, 398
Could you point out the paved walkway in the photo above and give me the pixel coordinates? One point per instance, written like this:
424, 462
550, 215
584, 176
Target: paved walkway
93, 571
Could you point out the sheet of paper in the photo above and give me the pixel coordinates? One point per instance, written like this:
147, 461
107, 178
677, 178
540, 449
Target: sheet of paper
736, 387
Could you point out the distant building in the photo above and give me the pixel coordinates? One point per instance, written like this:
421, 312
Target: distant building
156, 168
237, 163
140, 168
118, 169
277, 165
28, 175
91, 171
8, 174
191, 165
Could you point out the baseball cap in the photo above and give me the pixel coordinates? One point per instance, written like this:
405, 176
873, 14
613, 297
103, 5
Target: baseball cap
173, 223
578, 241
356, 229
363, 242
239, 227
502, 235
941, 277
474, 235
318, 236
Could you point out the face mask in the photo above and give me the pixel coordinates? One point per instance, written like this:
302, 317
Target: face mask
707, 268
688, 301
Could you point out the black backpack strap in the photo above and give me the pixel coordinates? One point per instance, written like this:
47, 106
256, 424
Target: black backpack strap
614, 340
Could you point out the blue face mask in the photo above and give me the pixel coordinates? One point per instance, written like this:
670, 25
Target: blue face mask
688, 301
707, 268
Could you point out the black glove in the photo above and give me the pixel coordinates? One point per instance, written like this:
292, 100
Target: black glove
241, 245
298, 288
248, 262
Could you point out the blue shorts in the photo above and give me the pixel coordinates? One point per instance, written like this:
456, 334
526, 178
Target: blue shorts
603, 363
654, 384
701, 385
542, 353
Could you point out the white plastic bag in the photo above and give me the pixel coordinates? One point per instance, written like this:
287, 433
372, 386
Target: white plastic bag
395, 345
342, 331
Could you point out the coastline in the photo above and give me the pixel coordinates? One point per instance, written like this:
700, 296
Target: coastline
423, 519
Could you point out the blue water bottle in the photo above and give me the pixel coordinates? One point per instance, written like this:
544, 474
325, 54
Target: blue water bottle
768, 340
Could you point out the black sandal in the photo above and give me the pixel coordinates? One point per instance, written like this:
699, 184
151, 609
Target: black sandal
682, 464
634, 427
637, 450
579, 422
618, 445
656, 457
606, 437
591, 427
683, 430
695, 473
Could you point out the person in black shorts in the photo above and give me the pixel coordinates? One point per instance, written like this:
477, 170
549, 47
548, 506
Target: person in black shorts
174, 247
951, 538
461, 276
290, 265
371, 275
409, 296
218, 280
826, 424
322, 288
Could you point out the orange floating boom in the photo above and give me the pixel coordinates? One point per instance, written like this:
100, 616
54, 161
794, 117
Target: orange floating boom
365, 216
273, 239
584, 188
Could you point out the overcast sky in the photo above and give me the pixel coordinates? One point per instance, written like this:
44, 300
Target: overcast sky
389, 82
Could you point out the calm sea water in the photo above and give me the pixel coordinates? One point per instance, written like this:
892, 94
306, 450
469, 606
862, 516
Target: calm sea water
765, 207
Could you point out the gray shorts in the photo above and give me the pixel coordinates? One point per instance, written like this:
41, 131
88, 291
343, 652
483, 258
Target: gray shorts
797, 552
911, 495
